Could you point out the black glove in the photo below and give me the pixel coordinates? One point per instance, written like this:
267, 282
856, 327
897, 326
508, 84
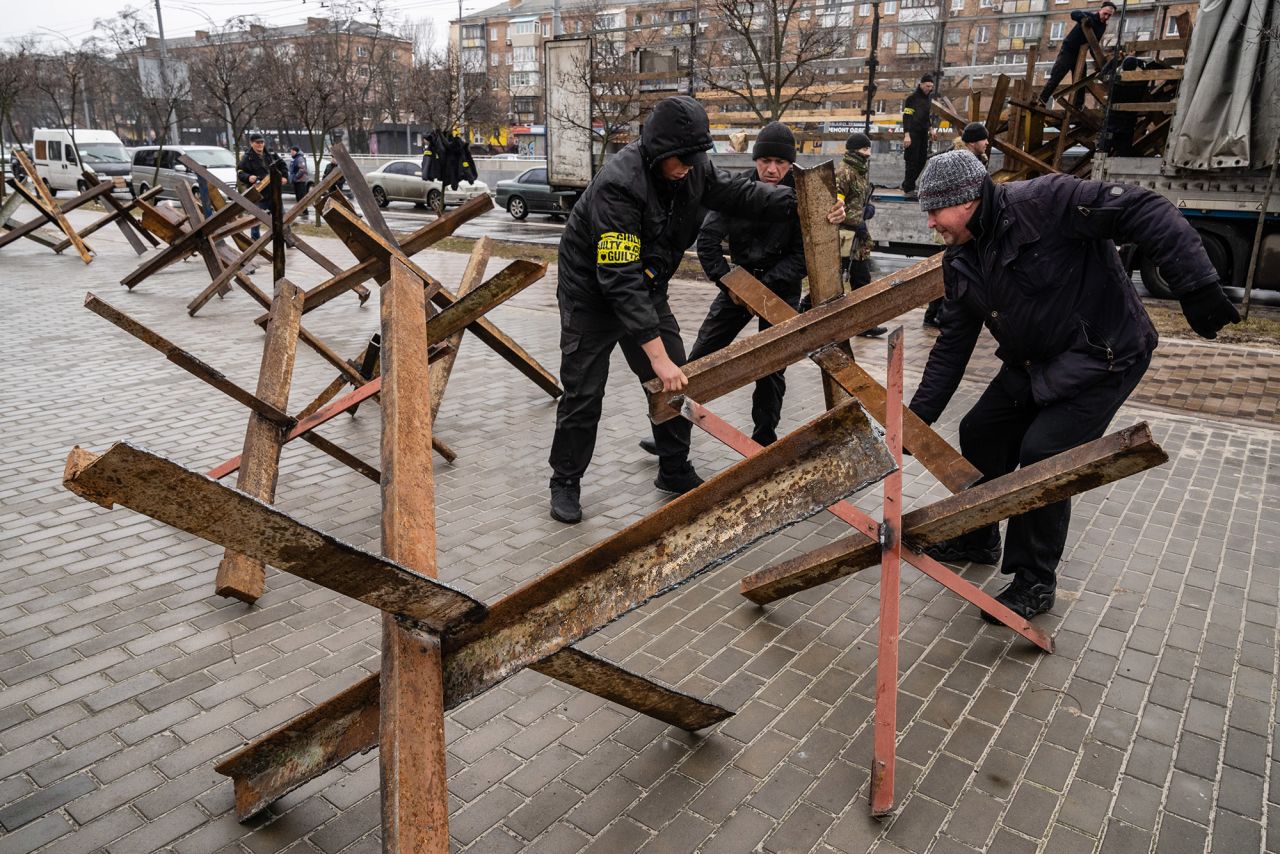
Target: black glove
1207, 310
868, 211
861, 231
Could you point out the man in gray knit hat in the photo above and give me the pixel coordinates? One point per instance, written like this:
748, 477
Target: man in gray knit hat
1036, 263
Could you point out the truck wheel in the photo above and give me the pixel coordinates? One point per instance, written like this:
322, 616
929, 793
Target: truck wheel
1214, 247
517, 208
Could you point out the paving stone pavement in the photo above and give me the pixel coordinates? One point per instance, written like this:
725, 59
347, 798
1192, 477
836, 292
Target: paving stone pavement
123, 678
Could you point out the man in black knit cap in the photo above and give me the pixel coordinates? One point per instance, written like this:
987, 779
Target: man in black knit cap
917, 127
1035, 262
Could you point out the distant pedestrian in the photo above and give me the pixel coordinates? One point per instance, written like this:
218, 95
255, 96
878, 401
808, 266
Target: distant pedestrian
917, 126
255, 165
1070, 50
299, 176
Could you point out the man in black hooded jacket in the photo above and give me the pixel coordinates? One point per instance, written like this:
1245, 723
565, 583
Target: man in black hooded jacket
1070, 51
917, 127
1035, 263
623, 241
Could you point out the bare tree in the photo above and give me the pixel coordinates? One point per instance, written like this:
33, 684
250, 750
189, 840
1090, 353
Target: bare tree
15, 73
229, 79
432, 93
771, 55
151, 98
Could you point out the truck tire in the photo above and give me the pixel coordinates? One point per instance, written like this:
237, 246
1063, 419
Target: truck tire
1214, 246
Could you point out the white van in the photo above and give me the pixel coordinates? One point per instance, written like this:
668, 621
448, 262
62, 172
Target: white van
60, 158
153, 165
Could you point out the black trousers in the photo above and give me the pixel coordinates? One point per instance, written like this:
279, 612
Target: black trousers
587, 340
724, 321
1006, 429
1062, 66
932, 311
916, 156
299, 189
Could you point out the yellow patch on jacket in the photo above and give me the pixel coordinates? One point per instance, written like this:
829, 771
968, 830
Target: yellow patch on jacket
617, 248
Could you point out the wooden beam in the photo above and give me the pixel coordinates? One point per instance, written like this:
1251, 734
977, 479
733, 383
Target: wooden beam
239, 575
1152, 74
996, 109
1012, 151
187, 500
1086, 467
1167, 107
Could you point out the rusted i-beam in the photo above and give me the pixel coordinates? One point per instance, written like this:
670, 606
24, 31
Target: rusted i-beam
1086, 467
187, 500
869, 528
471, 278
119, 215
240, 575
749, 359
815, 194
830, 457
933, 452
47, 205
415, 792
885, 726
29, 229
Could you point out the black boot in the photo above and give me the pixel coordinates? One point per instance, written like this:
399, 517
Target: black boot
565, 506
968, 548
678, 482
874, 332
1025, 598
649, 446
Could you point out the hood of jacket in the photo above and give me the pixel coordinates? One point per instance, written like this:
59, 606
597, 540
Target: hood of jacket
676, 126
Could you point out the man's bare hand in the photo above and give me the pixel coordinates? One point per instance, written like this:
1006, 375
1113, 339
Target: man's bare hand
673, 379
906, 140
836, 214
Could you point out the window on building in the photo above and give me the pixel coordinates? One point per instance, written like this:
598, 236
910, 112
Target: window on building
953, 36
957, 5
985, 4
886, 39
577, 26
860, 41
546, 31
864, 9
493, 60
889, 7
982, 35
493, 34
524, 78
1057, 30
1026, 29
1171, 27
362, 51
639, 20
524, 28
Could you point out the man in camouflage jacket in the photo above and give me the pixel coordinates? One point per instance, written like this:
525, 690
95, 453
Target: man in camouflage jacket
853, 187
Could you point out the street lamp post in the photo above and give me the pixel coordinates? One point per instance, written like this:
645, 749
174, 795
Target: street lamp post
166, 92
872, 61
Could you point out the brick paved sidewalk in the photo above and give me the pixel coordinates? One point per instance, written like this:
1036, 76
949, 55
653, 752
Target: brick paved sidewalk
123, 679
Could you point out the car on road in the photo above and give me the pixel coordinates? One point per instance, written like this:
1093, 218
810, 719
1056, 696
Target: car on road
529, 193
153, 165
401, 181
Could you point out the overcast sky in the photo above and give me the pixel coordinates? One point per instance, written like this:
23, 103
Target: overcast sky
73, 19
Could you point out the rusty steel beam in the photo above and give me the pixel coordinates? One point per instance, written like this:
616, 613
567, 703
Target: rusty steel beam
721, 430
471, 278
749, 359
411, 244
165, 226
29, 229
467, 309
815, 194
247, 206
342, 455
239, 575
187, 243
885, 725
364, 241
934, 453
118, 214
832, 456
605, 679
1080, 469
189, 363
309, 745
184, 499
415, 789
50, 207
363, 195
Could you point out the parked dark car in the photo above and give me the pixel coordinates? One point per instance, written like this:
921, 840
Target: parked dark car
530, 193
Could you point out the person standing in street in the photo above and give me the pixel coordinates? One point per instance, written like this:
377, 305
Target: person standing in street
255, 165
975, 139
298, 172
623, 242
917, 126
772, 252
1071, 45
853, 187
1035, 262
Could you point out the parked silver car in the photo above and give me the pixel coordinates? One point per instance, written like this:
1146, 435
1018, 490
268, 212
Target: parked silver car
152, 165
401, 181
